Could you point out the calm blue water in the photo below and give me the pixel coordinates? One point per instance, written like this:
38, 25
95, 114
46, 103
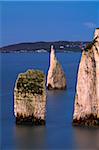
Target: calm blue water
58, 132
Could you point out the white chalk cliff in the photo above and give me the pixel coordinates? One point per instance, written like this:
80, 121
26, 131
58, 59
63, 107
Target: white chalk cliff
56, 78
86, 109
30, 98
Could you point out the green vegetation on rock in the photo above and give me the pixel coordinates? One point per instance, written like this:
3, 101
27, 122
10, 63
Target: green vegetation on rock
89, 46
31, 82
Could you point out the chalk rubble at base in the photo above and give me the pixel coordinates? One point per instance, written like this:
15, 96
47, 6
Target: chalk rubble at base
30, 98
86, 109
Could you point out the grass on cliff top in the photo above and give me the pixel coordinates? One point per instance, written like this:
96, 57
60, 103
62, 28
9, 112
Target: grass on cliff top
31, 82
89, 46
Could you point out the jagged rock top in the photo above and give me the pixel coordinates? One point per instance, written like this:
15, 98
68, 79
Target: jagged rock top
31, 82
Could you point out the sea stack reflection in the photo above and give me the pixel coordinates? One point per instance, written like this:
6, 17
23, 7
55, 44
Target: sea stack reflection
56, 78
30, 98
86, 110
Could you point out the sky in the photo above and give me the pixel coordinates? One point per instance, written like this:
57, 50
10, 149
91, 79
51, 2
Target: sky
31, 21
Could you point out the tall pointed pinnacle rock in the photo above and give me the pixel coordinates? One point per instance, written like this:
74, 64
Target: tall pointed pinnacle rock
86, 109
56, 78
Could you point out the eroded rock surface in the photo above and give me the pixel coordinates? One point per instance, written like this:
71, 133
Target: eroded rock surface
56, 78
86, 109
30, 98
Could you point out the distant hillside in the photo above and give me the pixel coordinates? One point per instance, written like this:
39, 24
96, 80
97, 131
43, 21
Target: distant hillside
59, 45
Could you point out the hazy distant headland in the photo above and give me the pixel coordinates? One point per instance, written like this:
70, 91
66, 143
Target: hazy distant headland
60, 46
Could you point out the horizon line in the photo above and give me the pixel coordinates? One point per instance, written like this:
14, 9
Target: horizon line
44, 42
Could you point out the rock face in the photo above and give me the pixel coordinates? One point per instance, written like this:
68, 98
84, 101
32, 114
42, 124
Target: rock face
30, 98
86, 110
56, 77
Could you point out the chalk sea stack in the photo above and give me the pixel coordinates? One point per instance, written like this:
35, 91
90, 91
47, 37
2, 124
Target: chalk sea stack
86, 109
56, 78
30, 98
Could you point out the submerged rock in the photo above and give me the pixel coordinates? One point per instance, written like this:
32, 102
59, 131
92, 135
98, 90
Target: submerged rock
86, 110
56, 78
30, 98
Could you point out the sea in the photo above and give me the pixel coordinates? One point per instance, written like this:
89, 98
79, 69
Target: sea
58, 133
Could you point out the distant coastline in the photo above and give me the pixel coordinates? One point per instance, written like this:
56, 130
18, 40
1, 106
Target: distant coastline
60, 46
